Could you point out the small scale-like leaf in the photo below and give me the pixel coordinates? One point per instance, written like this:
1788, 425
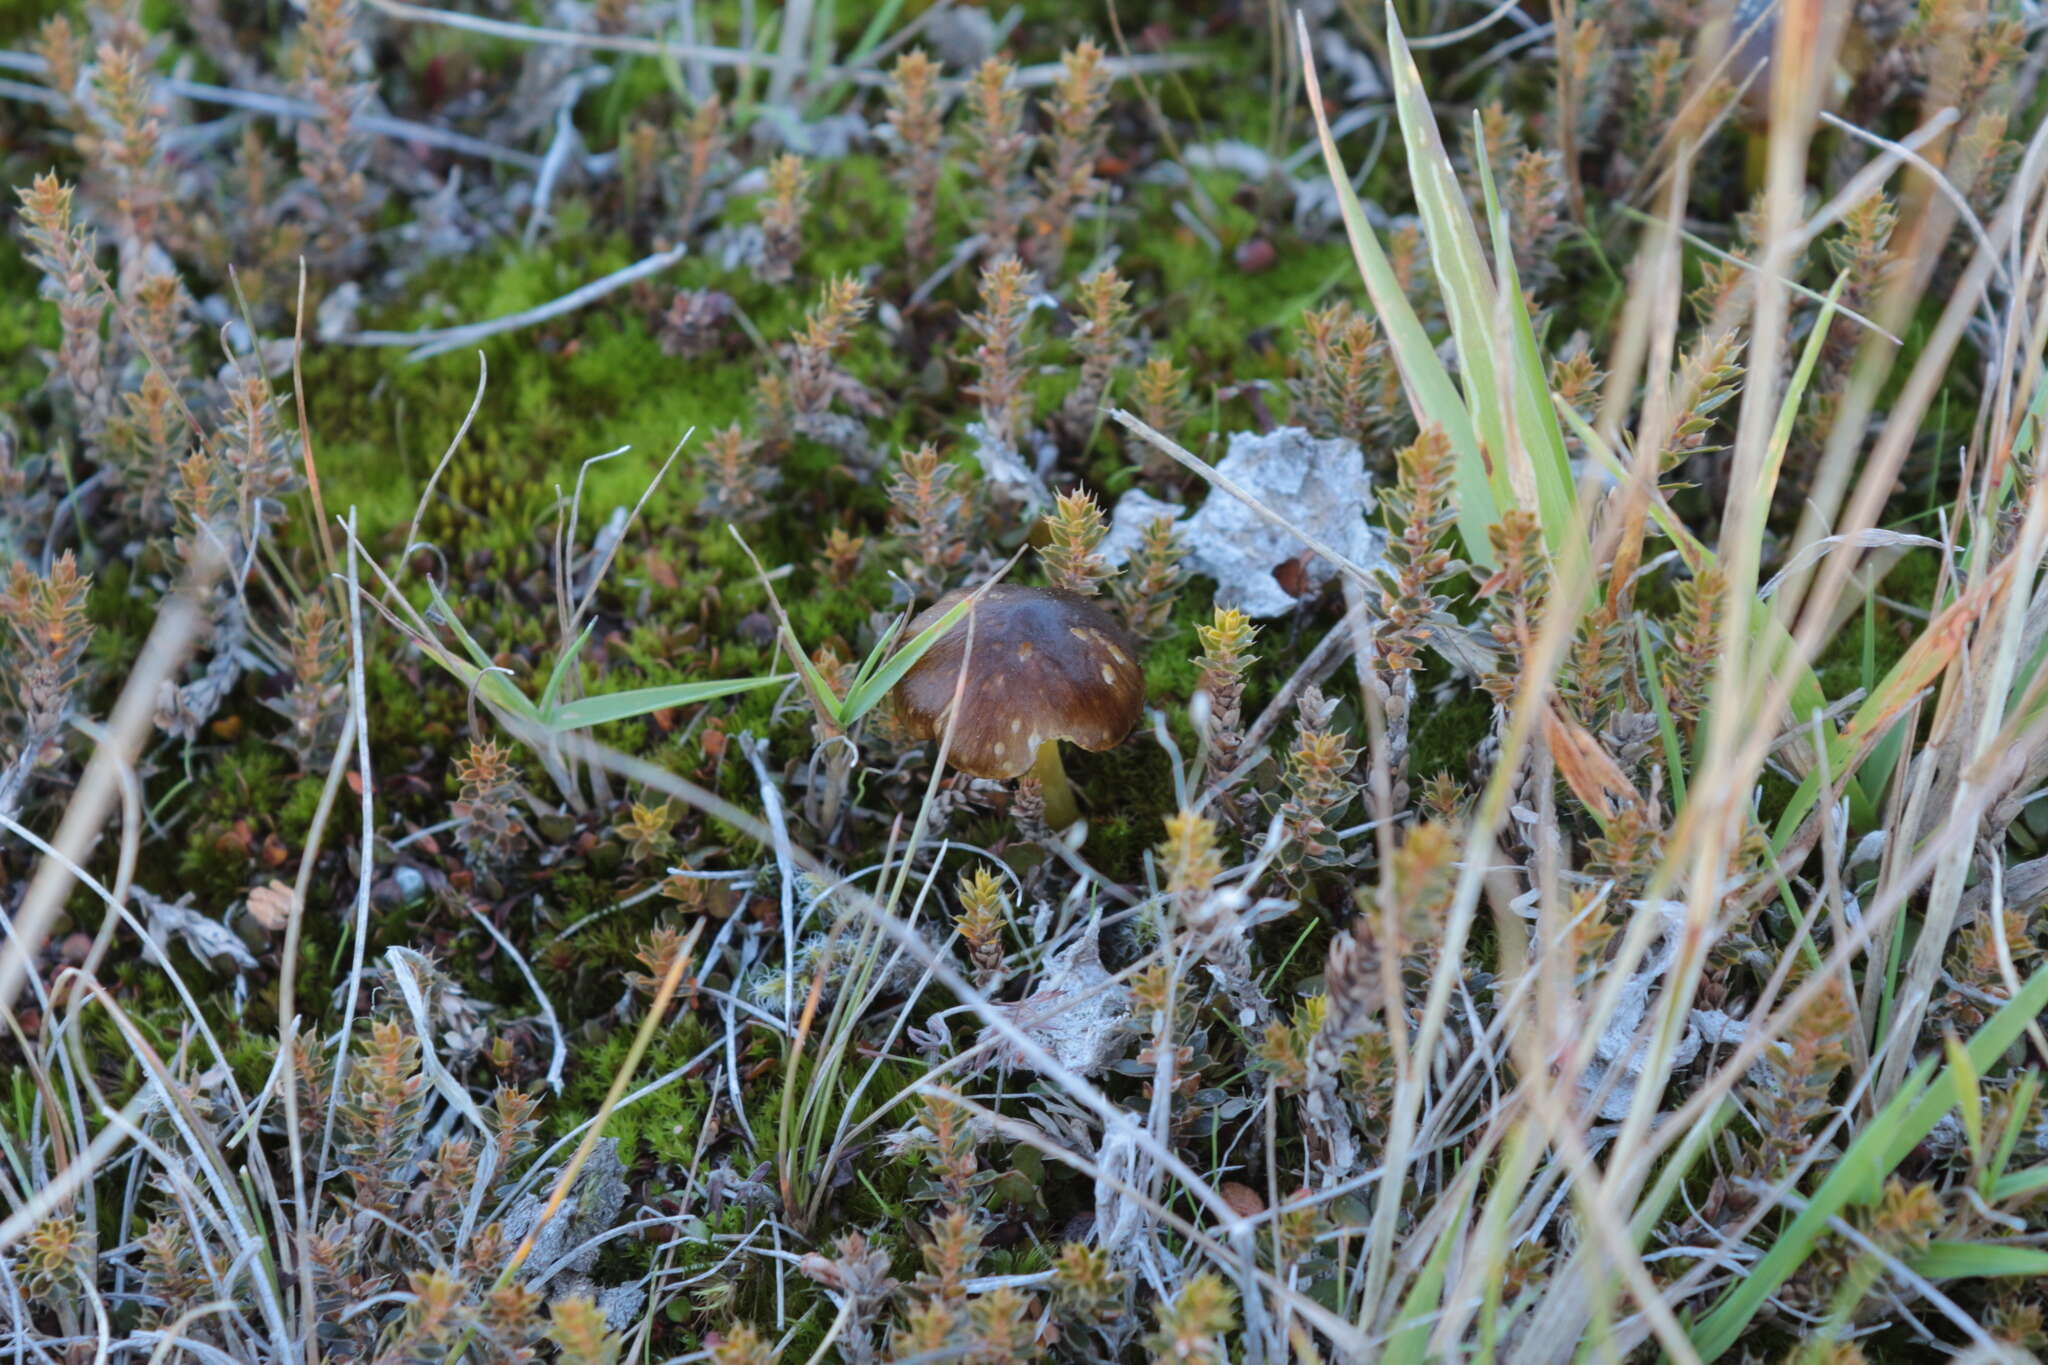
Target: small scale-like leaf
638, 701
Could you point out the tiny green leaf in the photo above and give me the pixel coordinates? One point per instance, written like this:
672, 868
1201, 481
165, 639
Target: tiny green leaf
638, 701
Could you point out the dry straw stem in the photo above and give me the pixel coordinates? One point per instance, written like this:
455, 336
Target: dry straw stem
360, 710
2006, 607
131, 851
353, 726
288, 1026
434, 341
1720, 791
286, 107
864, 71
1760, 438
621, 1081
1873, 364
1413, 1064
1734, 753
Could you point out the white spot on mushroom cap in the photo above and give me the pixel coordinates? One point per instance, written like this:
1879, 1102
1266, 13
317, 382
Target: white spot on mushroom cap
1107, 676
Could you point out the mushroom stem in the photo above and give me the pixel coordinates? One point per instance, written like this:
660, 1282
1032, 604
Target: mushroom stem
1060, 810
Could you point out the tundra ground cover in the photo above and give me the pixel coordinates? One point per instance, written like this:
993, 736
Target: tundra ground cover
1575, 888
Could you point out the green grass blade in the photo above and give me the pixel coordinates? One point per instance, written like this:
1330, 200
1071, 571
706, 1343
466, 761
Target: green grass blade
1459, 262
455, 626
1795, 391
1650, 1211
879, 26
1667, 729
1917, 669
1542, 437
1768, 634
2019, 1184
552, 693
865, 697
482, 674
879, 654
1962, 1079
638, 701
1976, 1260
1431, 393
2023, 1096
821, 691
1408, 1344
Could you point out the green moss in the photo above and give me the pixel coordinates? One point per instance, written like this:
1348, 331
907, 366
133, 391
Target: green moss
666, 1126
1444, 736
28, 323
1129, 793
227, 818
22, 18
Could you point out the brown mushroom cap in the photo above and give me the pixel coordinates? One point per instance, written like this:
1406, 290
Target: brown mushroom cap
1047, 665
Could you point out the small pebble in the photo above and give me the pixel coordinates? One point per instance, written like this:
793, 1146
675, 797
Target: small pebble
757, 627
411, 884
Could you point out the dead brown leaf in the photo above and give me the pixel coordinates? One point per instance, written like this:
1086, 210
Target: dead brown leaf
1242, 1198
1592, 774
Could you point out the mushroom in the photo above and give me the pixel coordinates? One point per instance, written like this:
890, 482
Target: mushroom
1045, 666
